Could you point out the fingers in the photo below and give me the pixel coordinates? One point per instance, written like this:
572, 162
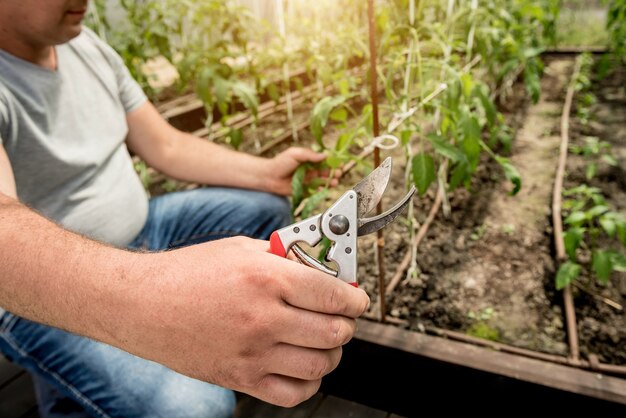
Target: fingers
297, 374
307, 288
310, 289
314, 330
285, 391
302, 363
302, 155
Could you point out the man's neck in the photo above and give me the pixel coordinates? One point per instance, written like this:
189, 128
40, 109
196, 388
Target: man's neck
41, 55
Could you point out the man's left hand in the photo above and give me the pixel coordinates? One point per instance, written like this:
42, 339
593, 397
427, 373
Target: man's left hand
283, 165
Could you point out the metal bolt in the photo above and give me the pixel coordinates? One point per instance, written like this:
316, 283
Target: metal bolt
339, 225
312, 228
296, 230
348, 250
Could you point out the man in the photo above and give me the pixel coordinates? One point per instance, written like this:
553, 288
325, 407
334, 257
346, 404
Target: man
93, 321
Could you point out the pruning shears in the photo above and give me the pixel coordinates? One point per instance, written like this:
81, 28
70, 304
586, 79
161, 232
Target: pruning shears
342, 223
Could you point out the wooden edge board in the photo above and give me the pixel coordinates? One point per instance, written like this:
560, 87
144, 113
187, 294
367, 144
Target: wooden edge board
566, 378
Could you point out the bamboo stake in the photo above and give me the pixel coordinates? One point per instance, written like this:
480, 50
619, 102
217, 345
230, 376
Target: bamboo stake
376, 130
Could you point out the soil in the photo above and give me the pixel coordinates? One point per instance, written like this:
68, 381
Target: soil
602, 327
487, 267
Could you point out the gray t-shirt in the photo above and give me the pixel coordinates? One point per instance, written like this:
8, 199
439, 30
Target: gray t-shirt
64, 133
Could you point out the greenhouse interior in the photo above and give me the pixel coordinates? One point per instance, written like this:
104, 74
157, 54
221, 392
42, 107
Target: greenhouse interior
461, 164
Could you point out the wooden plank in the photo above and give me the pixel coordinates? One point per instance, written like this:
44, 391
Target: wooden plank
8, 371
398, 371
530, 370
18, 397
334, 407
249, 407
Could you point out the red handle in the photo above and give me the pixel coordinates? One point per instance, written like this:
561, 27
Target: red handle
276, 245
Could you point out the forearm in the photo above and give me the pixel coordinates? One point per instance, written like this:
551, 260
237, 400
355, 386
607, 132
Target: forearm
55, 277
197, 160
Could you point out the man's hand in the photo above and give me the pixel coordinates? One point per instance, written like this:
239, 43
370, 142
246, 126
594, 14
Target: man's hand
227, 312
283, 165
233, 314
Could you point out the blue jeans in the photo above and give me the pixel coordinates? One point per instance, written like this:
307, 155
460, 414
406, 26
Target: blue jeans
78, 377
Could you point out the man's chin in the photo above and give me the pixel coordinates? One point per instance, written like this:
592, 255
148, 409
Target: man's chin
70, 33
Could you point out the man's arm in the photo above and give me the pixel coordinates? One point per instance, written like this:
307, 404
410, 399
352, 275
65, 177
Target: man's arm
189, 158
227, 312
41, 263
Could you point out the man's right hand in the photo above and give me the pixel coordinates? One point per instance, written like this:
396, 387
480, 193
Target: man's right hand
231, 313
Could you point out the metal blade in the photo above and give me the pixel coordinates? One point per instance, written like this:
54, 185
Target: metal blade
371, 188
373, 224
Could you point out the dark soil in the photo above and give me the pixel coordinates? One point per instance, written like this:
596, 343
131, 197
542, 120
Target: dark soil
487, 268
601, 326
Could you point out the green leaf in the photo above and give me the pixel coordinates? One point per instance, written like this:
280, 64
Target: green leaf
568, 272
467, 84
511, 174
576, 218
610, 160
471, 140
344, 87
334, 161
591, 171
533, 52
247, 95
235, 137
596, 211
297, 186
460, 174
445, 148
621, 230
203, 86
423, 167
490, 108
222, 87
312, 202
533, 83
602, 265
619, 261
339, 115
319, 116
405, 137
344, 141
608, 224
572, 239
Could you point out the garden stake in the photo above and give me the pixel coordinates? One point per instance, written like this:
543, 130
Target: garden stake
380, 242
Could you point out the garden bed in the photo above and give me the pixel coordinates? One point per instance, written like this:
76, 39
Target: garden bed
487, 269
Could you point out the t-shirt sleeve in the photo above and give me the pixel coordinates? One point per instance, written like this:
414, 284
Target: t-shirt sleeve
3, 119
130, 92
5, 115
